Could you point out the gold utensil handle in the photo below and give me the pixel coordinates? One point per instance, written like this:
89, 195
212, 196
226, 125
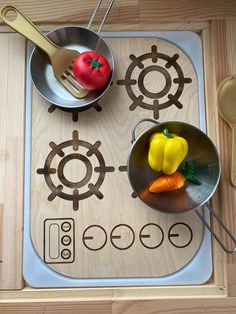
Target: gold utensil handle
25, 27
233, 158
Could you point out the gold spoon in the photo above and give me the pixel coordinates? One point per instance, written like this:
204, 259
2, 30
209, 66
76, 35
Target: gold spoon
227, 109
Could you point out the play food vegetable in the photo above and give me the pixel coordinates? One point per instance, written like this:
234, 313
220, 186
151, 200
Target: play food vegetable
166, 151
174, 181
92, 70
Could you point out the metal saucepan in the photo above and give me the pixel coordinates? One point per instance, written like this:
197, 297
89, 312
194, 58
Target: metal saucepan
71, 37
204, 157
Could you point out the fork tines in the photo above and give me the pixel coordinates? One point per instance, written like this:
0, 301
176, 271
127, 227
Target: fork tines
69, 82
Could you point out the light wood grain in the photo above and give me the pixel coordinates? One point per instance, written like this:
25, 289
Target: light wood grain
11, 160
195, 27
135, 12
185, 10
161, 306
225, 65
77, 11
110, 293
112, 127
198, 306
212, 131
193, 15
102, 307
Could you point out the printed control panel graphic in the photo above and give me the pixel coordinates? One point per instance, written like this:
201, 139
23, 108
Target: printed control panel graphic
59, 240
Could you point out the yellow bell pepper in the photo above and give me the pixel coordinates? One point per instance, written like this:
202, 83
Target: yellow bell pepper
166, 151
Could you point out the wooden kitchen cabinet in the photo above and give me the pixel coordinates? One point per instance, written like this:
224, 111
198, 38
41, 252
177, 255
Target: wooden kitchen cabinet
215, 22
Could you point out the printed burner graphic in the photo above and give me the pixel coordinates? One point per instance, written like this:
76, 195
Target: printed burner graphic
89, 189
166, 67
75, 111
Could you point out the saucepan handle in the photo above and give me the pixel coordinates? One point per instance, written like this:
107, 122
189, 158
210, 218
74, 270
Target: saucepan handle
226, 230
104, 18
141, 121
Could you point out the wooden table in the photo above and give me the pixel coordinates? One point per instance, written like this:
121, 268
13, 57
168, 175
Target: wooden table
215, 22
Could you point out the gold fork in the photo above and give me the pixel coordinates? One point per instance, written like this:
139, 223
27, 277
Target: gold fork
61, 58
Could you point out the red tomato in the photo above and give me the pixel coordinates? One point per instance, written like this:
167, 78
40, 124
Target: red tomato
92, 70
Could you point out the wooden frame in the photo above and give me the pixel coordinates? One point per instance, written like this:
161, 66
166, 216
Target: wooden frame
216, 26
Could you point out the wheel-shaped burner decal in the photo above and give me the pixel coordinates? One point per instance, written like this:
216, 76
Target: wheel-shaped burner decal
75, 111
157, 104
92, 188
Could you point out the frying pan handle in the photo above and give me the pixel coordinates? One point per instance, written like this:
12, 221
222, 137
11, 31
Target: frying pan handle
141, 121
226, 230
104, 18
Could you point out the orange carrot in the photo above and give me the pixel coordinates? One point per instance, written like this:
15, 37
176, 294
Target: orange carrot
167, 182
174, 181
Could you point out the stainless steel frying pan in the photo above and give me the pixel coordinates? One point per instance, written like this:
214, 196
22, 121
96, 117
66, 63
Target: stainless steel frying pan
71, 37
204, 157
74, 38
